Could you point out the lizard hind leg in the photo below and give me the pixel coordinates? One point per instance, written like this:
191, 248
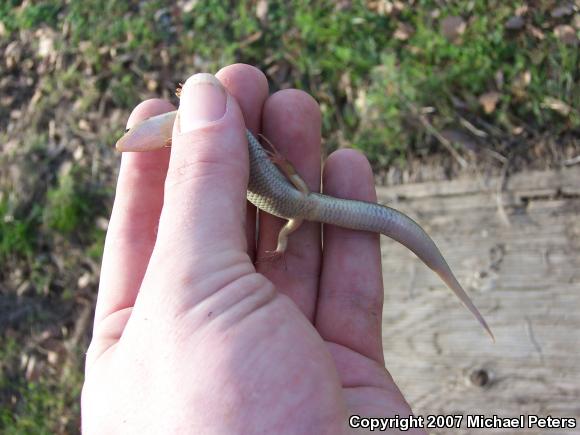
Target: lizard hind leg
285, 166
291, 226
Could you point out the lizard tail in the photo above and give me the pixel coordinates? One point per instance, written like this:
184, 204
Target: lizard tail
367, 216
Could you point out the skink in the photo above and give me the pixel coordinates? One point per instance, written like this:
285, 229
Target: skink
282, 193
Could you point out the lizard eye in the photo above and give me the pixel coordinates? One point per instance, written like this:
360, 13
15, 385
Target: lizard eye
127, 129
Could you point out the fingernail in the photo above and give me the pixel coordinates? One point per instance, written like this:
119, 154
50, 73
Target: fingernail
203, 100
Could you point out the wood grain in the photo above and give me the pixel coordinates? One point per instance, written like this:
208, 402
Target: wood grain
524, 276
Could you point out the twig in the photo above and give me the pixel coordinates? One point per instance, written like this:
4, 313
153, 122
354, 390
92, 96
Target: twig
482, 134
494, 154
82, 323
472, 128
571, 161
432, 130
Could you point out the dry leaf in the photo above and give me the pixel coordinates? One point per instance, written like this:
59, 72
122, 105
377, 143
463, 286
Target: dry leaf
522, 10
562, 11
188, 5
152, 85
382, 7
262, 10
78, 153
557, 106
25, 287
84, 280
515, 23
520, 83
84, 125
453, 27
536, 33
403, 32
399, 6
343, 5
52, 357
566, 34
12, 54
45, 43
523, 79
489, 101
102, 223
32, 371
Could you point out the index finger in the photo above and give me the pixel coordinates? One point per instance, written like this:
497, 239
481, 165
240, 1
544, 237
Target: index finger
133, 225
249, 86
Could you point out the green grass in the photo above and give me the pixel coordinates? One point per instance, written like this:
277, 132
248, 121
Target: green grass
45, 405
67, 206
16, 233
370, 86
27, 18
326, 48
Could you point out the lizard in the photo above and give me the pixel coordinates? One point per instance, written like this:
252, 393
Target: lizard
275, 187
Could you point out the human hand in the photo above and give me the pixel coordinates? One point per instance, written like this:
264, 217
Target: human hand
191, 335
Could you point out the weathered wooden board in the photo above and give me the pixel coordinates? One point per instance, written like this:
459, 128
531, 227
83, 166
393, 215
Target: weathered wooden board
524, 275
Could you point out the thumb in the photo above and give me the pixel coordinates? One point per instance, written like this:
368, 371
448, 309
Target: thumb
205, 189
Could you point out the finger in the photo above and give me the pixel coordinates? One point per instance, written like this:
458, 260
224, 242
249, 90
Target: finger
201, 228
350, 301
134, 219
249, 86
291, 121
